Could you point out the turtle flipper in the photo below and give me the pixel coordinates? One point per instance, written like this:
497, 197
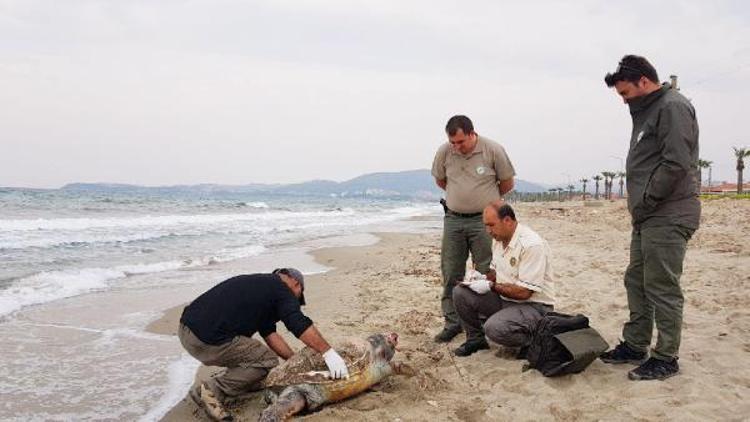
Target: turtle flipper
290, 402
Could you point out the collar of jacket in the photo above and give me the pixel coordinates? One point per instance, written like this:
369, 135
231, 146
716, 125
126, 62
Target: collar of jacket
641, 103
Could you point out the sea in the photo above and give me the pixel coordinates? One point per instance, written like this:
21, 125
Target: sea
82, 273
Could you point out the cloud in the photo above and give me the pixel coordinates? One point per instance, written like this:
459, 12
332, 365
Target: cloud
281, 91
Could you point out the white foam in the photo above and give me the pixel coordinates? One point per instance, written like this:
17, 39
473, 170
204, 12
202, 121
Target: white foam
156, 221
54, 285
180, 378
262, 205
44, 233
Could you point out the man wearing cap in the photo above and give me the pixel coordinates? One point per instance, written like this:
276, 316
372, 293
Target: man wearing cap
473, 171
217, 328
663, 203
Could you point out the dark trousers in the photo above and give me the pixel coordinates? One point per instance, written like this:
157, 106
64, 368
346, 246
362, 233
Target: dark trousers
504, 322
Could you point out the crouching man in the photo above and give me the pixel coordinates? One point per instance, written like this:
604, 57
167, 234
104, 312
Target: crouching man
217, 329
505, 305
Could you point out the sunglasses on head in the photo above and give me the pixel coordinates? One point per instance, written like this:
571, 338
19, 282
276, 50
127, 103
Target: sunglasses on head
622, 66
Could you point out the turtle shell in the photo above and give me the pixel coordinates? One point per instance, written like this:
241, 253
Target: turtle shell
308, 366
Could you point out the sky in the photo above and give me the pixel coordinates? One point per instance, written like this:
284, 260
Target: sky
279, 91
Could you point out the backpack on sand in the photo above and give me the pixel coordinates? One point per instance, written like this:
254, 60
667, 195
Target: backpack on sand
563, 344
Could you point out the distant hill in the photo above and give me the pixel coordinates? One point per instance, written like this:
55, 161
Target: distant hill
411, 184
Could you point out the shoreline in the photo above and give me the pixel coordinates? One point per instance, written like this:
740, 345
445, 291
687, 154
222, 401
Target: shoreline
330, 316
394, 285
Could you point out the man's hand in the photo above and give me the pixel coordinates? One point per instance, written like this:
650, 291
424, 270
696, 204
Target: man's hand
477, 282
479, 286
336, 364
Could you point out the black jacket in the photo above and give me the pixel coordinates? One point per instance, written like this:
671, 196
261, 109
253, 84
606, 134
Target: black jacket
662, 164
242, 306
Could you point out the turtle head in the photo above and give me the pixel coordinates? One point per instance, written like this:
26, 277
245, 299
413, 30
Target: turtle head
383, 346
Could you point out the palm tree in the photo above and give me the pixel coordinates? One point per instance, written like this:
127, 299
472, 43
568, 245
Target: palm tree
597, 178
702, 164
621, 175
570, 192
584, 181
608, 178
740, 154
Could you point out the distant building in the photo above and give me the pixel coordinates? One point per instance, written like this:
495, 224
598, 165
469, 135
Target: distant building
724, 188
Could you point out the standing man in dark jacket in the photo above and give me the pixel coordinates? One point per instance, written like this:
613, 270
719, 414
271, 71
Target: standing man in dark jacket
474, 171
217, 329
663, 202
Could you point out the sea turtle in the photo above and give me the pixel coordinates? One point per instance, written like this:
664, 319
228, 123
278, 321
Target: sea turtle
305, 383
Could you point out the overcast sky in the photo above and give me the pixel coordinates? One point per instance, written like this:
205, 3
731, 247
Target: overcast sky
181, 92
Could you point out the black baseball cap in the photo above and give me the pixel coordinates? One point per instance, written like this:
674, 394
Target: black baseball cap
297, 275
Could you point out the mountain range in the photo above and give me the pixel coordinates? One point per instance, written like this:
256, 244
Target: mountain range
411, 184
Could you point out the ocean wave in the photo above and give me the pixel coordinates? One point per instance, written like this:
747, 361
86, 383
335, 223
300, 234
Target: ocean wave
78, 224
83, 232
49, 286
181, 374
254, 205
76, 239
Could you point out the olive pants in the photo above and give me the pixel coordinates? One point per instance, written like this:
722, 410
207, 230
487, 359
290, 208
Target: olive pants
652, 282
461, 236
247, 362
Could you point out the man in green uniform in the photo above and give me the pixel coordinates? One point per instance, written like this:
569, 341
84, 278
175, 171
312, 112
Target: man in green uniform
663, 202
474, 171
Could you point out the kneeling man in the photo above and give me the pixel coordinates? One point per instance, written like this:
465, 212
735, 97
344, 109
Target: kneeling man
516, 293
218, 327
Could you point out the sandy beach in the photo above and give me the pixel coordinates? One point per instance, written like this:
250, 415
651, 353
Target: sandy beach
394, 285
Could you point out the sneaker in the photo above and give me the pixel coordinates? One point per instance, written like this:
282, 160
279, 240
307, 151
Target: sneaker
471, 347
208, 401
623, 353
447, 335
655, 369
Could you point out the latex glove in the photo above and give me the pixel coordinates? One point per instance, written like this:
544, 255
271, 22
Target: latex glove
472, 275
336, 365
480, 286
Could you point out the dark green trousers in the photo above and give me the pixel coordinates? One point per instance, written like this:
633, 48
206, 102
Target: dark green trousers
652, 282
461, 236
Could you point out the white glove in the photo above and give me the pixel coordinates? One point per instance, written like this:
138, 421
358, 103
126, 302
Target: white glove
477, 282
336, 365
480, 286
472, 275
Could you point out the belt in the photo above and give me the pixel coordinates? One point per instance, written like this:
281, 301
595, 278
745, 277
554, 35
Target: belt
463, 215
457, 214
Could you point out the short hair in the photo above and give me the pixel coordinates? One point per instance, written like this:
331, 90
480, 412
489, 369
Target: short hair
503, 211
459, 122
506, 210
630, 69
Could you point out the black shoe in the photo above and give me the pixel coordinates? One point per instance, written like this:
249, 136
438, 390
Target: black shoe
655, 369
447, 335
623, 353
471, 347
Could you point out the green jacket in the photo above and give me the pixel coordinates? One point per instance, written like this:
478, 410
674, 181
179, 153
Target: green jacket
662, 164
